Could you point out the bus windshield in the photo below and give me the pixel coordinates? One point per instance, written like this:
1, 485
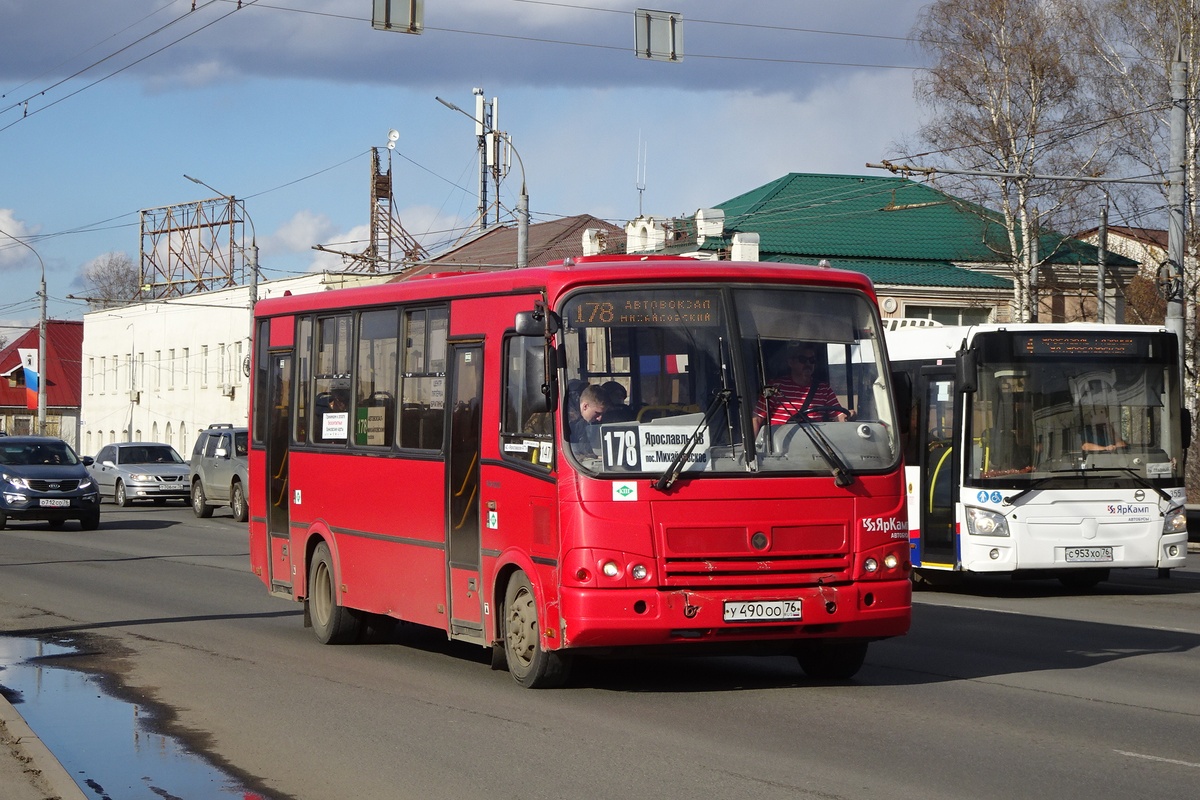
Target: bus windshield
1069, 406
727, 380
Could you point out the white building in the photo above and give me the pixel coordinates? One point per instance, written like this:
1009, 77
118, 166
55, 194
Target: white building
163, 370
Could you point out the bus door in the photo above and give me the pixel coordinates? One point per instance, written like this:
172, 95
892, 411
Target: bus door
279, 382
939, 473
465, 404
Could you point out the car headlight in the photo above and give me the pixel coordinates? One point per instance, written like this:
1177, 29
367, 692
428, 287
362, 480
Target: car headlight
982, 522
15, 480
1175, 520
143, 477
86, 483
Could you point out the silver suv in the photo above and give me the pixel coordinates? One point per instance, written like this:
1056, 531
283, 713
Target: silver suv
218, 471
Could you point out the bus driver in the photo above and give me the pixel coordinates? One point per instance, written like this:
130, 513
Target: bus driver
798, 393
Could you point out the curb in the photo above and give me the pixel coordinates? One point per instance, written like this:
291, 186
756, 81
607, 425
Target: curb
40, 760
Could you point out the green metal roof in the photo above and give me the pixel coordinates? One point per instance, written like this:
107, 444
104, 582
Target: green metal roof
801, 217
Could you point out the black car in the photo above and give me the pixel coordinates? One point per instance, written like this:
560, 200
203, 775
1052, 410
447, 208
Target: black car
41, 478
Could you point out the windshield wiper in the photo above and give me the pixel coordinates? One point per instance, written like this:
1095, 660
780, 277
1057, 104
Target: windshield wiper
840, 469
1084, 472
667, 480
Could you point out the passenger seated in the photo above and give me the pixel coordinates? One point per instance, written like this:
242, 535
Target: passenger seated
615, 409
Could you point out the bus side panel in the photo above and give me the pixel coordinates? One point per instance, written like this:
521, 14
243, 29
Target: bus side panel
390, 555
520, 516
258, 526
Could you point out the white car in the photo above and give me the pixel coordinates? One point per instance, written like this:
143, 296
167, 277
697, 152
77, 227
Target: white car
129, 471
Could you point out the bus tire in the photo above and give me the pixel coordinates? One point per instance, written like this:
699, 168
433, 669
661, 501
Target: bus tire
332, 623
529, 664
832, 660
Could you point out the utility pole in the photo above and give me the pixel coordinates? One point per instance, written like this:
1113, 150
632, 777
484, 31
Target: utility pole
1176, 199
1101, 260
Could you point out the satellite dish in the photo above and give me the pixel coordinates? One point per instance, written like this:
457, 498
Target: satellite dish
393, 135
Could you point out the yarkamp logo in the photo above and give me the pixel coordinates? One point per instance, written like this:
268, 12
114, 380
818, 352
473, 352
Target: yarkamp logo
898, 528
624, 491
1127, 508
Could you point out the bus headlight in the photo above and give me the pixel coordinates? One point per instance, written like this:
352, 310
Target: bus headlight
982, 522
611, 569
639, 572
1175, 520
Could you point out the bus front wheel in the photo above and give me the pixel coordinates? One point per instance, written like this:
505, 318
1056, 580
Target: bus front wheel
832, 660
333, 623
529, 664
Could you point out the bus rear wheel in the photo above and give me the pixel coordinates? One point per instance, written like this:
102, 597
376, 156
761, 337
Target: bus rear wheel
333, 623
832, 661
529, 664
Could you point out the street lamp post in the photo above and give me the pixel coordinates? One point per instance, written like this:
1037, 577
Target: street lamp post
41, 373
522, 200
253, 289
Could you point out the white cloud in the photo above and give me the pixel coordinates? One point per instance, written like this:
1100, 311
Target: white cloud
14, 254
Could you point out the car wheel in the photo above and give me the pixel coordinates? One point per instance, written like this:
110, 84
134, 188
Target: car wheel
237, 502
91, 522
200, 506
119, 495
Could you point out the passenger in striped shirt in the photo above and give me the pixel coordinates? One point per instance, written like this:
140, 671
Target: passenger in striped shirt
790, 396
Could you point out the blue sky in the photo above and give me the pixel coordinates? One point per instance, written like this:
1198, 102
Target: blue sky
107, 104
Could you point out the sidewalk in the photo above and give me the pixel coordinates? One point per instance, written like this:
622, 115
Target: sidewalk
28, 770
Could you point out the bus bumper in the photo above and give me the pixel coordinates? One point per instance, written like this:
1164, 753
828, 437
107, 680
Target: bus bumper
641, 617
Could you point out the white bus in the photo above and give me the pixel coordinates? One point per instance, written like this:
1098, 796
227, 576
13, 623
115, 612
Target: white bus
1043, 450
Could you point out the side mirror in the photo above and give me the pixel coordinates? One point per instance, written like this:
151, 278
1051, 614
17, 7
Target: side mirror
968, 369
902, 386
1187, 428
109, 464
87, 461
221, 453
538, 322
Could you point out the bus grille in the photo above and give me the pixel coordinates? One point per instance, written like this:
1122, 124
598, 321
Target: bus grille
781, 570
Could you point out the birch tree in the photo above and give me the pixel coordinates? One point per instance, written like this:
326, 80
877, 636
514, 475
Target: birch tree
1135, 43
1005, 96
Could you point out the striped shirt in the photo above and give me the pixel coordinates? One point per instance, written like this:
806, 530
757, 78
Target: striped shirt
789, 398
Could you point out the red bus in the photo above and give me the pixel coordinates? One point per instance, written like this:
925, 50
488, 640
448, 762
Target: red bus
560, 461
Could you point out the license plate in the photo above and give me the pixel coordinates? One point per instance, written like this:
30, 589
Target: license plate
1086, 554
53, 503
761, 610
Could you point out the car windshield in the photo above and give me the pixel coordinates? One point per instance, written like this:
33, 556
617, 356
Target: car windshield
149, 454
41, 453
705, 379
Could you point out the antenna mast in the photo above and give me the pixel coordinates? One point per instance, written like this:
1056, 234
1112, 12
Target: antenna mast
640, 180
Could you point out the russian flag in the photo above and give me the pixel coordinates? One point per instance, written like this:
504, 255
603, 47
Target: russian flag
29, 360
672, 364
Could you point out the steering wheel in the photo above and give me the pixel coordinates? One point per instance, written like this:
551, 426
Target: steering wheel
824, 411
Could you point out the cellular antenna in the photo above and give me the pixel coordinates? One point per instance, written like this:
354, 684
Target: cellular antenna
640, 180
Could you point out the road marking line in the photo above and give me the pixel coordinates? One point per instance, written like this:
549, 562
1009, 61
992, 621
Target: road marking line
1158, 758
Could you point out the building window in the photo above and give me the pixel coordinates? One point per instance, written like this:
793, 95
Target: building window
187, 365
91, 376
170, 371
204, 366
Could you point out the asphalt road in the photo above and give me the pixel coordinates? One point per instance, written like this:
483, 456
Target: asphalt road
1002, 689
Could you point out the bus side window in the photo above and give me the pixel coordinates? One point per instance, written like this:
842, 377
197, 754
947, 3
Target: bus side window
527, 427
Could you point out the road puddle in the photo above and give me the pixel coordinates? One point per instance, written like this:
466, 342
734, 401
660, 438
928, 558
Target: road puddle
107, 745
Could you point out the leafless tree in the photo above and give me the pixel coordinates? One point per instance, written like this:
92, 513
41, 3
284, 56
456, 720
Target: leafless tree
111, 280
1135, 43
1006, 98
